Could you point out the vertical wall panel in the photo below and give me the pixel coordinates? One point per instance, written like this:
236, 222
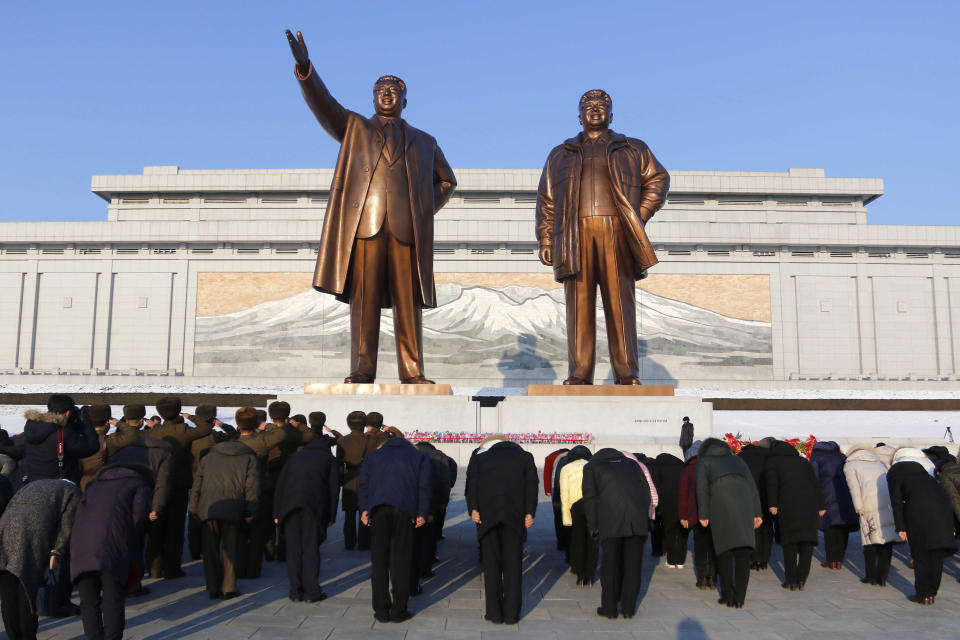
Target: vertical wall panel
11, 296
827, 326
905, 326
140, 321
65, 320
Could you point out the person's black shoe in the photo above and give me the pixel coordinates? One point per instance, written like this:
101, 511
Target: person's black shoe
493, 620
788, 585
214, 595
173, 575
139, 591
800, 585
509, 621
604, 614
317, 598
230, 595
881, 583
417, 590
403, 616
867, 581
721, 600
700, 583
346, 548
381, 617
430, 573
763, 566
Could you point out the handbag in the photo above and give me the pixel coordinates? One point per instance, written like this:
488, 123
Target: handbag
47, 597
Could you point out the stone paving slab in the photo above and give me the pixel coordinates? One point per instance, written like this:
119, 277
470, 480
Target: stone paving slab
834, 604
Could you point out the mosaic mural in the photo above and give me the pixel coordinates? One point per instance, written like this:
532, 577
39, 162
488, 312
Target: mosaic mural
505, 330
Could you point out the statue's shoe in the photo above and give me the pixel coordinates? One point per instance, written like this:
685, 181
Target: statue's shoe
358, 378
575, 381
630, 381
417, 380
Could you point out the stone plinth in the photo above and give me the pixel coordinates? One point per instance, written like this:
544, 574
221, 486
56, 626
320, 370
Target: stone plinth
344, 389
619, 416
599, 390
406, 412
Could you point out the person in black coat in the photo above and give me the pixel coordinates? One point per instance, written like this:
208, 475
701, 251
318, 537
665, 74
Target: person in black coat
304, 515
425, 538
922, 515
616, 502
56, 440
755, 455
501, 496
794, 496
394, 499
106, 545
841, 518
666, 476
442, 518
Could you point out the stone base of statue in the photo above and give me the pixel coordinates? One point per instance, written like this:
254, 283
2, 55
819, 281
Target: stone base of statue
373, 389
425, 407
618, 390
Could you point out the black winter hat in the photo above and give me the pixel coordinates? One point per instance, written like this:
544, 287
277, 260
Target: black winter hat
206, 412
317, 420
134, 412
99, 414
375, 419
356, 420
279, 410
169, 407
299, 418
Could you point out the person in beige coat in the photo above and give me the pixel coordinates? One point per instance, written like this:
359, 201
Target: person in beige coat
584, 550
866, 476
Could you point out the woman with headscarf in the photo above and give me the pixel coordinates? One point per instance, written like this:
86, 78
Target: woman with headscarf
796, 500
923, 517
866, 476
841, 518
729, 503
583, 548
704, 559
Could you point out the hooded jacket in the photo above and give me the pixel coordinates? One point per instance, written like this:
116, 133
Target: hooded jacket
920, 508
827, 462
726, 496
396, 474
227, 485
793, 488
616, 496
867, 480
41, 433
315, 468
502, 486
111, 522
37, 523
155, 455
913, 454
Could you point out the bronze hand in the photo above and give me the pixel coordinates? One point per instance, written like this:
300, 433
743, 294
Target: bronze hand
299, 49
546, 256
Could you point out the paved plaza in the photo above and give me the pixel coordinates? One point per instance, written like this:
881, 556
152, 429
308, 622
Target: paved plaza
834, 604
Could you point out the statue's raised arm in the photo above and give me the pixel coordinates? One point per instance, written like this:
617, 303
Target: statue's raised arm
329, 113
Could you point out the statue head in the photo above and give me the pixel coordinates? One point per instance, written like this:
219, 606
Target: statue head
389, 96
596, 110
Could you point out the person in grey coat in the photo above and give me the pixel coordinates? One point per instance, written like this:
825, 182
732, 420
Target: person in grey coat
34, 535
729, 503
686, 434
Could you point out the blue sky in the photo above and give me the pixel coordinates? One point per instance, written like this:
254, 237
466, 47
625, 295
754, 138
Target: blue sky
867, 89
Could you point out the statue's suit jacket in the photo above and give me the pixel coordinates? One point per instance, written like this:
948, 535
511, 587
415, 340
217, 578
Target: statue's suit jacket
430, 180
640, 185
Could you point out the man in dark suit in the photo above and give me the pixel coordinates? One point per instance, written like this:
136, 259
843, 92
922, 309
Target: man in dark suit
376, 249
394, 495
501, 495
597, 192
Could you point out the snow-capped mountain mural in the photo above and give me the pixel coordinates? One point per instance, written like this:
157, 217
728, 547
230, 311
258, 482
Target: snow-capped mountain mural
510, 336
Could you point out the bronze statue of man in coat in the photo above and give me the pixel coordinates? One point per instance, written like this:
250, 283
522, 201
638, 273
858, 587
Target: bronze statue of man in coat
376, 249
597, 192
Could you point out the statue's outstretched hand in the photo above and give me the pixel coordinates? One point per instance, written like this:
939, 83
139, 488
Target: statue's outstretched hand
299, 49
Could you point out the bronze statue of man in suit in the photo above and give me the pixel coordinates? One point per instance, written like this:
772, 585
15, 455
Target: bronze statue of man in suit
376, 249
597, 192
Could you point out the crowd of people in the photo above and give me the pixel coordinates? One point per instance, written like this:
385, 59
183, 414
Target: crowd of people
98, 503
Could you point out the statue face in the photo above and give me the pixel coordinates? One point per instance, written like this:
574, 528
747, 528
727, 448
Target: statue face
389, 99
595, 115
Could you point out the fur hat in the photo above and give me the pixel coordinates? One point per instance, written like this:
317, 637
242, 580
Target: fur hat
99, 414
169, 407
317, 420
279, 410
375, 419
356, 420
206, 412
261, 416
134, 412
247, 419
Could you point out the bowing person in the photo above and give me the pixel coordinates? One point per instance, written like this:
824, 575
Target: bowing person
501, 495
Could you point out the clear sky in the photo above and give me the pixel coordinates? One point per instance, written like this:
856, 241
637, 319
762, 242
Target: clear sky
865, 89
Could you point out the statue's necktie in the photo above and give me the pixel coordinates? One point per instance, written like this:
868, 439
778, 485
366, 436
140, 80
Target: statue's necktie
392, 142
